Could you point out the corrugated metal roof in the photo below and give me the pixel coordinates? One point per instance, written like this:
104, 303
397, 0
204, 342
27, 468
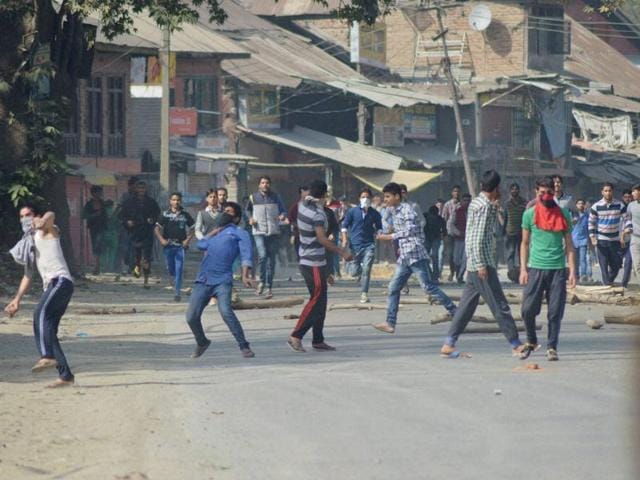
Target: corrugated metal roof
192, 38
614, 102
429, 156
338, 149
279, 57
291, 8
593, 59
391, 96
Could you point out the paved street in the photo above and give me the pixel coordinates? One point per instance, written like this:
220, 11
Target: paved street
381, 407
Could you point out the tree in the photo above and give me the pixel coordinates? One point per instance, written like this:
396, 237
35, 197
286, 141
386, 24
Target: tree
42, 56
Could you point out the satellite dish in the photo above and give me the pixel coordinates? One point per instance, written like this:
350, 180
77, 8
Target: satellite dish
480, 17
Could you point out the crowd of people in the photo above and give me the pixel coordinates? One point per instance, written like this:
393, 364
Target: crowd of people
549, 242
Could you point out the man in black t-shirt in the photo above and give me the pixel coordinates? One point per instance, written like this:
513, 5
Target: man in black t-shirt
174, 231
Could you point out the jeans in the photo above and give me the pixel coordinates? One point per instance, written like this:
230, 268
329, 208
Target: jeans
314, 312
174, 258
434, 250
584, 262
423, 272
335, 258
459, 259
610, 260
491, 291
361, 265
46, 319
549, 284
512, 247
267, 248
198, 302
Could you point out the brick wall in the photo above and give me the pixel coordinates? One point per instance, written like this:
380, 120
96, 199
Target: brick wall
498, 51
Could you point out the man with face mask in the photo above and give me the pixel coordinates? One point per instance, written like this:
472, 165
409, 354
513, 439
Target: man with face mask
605, 219
40, 248
215, 278
359, 227
545, 251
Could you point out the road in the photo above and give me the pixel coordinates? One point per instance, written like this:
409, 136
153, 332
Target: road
381, 407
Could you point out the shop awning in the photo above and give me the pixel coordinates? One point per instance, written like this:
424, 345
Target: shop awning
209, 155
377, 179
323, 146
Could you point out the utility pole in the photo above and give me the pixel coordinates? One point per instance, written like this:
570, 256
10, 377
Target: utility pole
164, 111
446, 64
362, 116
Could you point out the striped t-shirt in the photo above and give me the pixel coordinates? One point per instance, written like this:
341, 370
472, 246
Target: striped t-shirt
310, 216
605, 220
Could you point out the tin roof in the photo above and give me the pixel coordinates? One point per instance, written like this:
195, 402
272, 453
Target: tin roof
291, 8
350, 154
593, 59
613, 102
191, 38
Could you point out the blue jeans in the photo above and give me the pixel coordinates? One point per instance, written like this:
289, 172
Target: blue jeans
267, 248
198, 302
400, 277
174, 258
434, 250
363, 257
584, 262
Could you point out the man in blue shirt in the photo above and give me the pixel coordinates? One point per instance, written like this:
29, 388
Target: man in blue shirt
580, 237
215, 278
359, 227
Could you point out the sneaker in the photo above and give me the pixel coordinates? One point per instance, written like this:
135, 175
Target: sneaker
364, 298
200, 349
383, 327
136, 271
177, 298
268, 295
247, 352
405, 290
552, 355
323, 347
260, 289
296, 345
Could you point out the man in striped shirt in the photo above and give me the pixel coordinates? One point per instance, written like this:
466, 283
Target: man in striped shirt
605, 220
312, 228
482, 276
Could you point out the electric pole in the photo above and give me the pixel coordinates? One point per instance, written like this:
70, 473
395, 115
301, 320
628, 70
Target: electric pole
446, 64
164, 111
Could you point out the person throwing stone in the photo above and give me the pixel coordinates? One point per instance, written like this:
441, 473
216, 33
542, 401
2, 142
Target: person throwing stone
215, 278
40, 248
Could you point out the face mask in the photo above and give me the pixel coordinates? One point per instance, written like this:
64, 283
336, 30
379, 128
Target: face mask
547, 200
225, 219
27, 224
365, 202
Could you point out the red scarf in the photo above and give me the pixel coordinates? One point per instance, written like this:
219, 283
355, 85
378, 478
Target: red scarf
549, 219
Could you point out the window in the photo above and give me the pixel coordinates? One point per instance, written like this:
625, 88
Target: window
94, 116
202, 93
549, 33
264, 109
115, 114
373, 39
71, 132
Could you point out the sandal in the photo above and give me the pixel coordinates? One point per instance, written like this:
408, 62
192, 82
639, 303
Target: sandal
525, 350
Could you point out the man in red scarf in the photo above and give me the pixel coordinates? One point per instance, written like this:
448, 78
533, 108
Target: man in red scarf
546, 248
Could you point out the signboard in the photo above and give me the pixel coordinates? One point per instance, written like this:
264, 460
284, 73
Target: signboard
420, 122
218, 144
388, 129
183, 122
148, 70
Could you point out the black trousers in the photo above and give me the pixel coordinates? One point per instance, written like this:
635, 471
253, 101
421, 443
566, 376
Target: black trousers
552, 286
46, 319
610, 260
314, 311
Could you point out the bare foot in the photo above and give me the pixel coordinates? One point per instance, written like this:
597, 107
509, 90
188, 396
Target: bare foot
43, 364
59, 383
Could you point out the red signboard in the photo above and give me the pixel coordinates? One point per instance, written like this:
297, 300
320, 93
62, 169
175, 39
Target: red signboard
183, 122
